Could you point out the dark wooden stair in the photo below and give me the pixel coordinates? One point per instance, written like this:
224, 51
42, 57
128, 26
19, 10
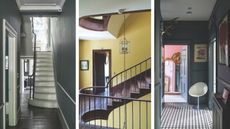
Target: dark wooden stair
135, 87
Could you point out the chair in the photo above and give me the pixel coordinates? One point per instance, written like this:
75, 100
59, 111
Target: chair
198, 90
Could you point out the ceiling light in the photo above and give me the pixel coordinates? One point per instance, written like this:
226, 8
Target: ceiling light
189, 12
189, 8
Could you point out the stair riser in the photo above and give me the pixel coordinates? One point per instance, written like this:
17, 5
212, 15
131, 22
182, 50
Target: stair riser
44, 54
51, 84
44, 65
43, 104
45, 96
44, 69
45, 89
44, 73
44, 61
44, 79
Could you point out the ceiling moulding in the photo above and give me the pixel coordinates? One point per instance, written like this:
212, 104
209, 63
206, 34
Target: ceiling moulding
40, 7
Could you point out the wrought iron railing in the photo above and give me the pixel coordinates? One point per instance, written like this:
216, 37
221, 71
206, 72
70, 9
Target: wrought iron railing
119, 113
105, 107
32, 77
126, 82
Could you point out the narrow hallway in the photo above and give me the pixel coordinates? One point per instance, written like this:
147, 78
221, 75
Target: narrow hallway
36, 118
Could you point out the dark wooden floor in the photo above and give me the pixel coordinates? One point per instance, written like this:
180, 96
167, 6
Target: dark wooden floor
37, 118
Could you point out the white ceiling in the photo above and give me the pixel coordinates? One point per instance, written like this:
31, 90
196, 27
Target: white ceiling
201, 9
92, 7
40, 5
85, 34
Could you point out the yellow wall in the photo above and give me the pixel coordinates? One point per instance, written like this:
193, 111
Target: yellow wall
135, 119
138, 32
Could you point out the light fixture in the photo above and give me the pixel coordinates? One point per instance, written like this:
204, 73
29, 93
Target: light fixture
124, 43
189, 12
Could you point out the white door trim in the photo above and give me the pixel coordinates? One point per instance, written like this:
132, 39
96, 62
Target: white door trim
13, 59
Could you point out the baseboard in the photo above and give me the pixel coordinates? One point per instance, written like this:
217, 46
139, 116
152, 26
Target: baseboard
62, 119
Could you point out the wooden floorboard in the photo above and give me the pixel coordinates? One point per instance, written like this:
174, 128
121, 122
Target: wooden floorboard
36, 118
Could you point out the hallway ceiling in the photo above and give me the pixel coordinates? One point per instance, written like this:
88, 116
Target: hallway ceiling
89, 7
40, 5
187, 10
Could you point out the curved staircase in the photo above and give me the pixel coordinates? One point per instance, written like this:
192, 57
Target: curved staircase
44, 94
124, 88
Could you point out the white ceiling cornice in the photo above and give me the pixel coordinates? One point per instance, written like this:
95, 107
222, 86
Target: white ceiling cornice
89, 7
40, 5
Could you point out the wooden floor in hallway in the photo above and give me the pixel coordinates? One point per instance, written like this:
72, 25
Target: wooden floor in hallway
36, 118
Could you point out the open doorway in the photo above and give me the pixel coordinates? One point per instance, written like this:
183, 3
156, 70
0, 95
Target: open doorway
175, 73
101, 67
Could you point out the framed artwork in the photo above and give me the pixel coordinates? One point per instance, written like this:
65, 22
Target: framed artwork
200, 53
223, 41
84, 64
225, 96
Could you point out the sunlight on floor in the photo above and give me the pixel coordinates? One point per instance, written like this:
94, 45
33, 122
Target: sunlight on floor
173, 98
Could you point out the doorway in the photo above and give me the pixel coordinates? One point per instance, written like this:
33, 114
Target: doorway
175, 59
101, 68
10, 88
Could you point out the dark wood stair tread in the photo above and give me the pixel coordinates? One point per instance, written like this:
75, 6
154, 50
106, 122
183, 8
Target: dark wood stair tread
95, 114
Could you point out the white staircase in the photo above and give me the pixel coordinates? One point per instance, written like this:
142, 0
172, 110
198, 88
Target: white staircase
44, 92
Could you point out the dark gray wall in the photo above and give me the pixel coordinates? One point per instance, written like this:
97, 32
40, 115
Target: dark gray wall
10, 12
192, 32
223, 71
157, 66
63, 39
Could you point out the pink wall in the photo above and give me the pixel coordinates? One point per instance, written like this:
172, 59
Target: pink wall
171, 49
170, 67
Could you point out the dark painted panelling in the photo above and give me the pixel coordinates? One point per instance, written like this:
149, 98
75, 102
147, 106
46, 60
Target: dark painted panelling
223, 72
192, 32
157, 67
1, 119
63, 36
10, 12
63, 39
67, 107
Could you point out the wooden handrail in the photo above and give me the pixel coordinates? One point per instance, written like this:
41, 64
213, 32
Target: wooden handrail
107, 85
112, 97
126, 70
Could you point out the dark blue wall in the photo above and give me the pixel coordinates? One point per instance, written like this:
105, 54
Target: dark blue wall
192, 32
63, 38
223, 72
9, 11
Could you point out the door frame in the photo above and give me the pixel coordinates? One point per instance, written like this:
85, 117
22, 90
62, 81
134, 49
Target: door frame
13, 116
110, 65
188, 43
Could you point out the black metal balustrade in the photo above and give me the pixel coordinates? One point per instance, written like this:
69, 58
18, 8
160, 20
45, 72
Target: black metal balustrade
119, 113
116, 105
32, 77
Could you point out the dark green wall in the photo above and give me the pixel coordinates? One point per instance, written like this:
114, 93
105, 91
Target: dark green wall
192, 32
10, 12
223, 72
63, 38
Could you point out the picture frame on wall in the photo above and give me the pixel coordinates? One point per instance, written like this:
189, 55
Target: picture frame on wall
84, 64
223, 44
200, 53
